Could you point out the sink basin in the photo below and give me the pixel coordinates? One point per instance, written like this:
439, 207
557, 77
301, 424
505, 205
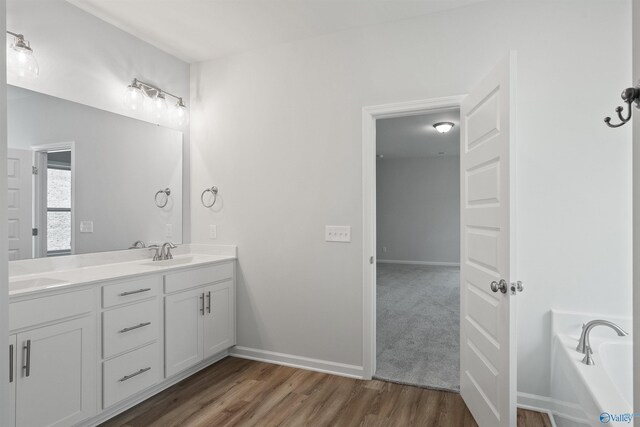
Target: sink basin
170, 262
39, 282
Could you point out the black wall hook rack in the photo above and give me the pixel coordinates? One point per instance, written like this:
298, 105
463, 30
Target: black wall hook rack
630, 95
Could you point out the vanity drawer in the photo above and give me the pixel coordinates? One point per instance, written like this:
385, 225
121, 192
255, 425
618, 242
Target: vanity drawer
186, 279
129, 291
35, 311
128, 327
130, 373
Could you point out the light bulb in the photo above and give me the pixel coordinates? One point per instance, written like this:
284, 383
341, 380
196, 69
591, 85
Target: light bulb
133, 97
20, 59
159, 107
179, 114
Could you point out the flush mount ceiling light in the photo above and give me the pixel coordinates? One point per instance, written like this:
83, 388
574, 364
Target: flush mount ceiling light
443, 127
150, 99
20, 59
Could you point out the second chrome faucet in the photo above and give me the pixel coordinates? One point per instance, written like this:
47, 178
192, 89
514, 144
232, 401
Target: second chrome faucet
584, 344
162, 252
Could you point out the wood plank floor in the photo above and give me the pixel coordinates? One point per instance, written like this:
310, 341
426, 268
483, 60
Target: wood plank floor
237, 392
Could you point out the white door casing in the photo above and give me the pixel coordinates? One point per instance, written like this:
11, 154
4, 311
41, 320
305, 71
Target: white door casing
19, 203
487, 318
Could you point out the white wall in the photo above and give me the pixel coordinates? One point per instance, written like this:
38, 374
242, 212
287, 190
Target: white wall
636, 210
86, 60
279, 131
4, 274
418, 209
120, 163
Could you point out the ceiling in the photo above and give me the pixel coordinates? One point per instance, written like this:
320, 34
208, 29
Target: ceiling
415, 136
197, 30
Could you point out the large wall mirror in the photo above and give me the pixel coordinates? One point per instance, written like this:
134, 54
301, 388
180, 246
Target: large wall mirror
85, 180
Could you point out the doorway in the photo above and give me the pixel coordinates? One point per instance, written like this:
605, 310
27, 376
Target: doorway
418, 249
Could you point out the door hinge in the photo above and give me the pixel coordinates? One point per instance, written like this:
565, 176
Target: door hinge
371, 260
34, 231
34, 170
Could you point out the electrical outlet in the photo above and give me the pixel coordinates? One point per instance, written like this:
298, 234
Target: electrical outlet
384, 249
86, 226
338, 233
213, 231
169, 230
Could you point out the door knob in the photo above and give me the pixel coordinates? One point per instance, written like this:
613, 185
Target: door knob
499, 286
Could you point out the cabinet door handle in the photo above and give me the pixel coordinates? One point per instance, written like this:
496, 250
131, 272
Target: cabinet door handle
209, 302
11, 363
131, 328
202, 304
27, 367
124, 294
135, 374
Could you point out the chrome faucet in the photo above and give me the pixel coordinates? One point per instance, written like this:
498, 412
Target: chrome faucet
138, 244
165, 253
584, 345
156, 255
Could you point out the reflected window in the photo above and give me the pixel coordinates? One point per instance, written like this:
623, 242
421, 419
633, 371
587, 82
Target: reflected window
58, 203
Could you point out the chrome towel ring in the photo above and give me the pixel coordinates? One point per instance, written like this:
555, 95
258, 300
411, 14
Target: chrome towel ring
214, 191
167, 193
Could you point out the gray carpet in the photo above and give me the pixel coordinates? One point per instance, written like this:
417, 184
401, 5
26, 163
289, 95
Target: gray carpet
418, 325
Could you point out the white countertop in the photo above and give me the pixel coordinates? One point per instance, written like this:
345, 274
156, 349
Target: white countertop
68, 276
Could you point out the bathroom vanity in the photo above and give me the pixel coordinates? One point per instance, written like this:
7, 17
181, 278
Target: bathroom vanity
91, 339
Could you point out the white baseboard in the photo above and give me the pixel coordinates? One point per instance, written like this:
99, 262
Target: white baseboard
534, 402
433, 263
324, 366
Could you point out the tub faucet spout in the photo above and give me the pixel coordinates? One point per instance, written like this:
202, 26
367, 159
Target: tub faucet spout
584, 345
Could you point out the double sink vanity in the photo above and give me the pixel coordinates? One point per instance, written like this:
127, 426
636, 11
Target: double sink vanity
92, 335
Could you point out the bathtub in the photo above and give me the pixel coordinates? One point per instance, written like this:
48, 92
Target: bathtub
580, 394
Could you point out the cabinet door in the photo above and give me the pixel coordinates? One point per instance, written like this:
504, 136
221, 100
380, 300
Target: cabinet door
13, 371
183, 330
57, 374
218, 318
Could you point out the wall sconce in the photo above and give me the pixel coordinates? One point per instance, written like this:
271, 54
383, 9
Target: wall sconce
629, 96
145, 97
20, 59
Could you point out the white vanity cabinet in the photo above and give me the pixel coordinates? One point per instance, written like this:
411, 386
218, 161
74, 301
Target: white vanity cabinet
53, 381
199, 315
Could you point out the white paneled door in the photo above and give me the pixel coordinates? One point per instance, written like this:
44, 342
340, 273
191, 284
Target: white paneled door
487, 316
19, 199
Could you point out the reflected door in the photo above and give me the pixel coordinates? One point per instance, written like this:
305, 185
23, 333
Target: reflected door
19, 198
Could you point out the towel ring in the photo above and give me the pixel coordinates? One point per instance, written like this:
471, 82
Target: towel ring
214, 191
167, 193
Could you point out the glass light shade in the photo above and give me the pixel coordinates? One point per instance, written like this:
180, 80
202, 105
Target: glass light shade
179, 114
134, 98
159, 107
20, 60
443, 127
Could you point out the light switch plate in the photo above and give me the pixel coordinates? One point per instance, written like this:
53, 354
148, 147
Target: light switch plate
338, 233
169, 230
213, 231
86, 226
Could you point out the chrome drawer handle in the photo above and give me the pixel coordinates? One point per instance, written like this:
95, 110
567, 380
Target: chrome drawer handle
135, 374
124, 294
131, 328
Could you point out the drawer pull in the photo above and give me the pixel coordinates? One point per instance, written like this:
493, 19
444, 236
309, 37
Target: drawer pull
135, 374
202, 304
131, 328
27, 366
124, 294
209, 302
11, 363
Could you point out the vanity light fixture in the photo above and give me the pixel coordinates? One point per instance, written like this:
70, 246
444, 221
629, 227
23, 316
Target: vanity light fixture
145, 97
443, 127
20, 59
